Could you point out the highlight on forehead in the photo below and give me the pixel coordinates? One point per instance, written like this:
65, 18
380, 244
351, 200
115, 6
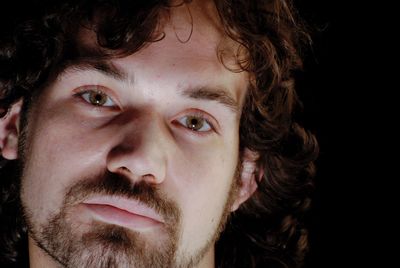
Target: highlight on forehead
184, 18
199, 18
217, 94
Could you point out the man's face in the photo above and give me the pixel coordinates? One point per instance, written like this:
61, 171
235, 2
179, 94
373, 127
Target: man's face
154, 133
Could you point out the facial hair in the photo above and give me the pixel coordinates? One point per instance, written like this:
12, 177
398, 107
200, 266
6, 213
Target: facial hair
106, 245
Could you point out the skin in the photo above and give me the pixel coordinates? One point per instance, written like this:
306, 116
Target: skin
142, 135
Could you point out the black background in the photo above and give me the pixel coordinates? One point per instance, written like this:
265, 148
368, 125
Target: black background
322, 88
335, 87
341, 92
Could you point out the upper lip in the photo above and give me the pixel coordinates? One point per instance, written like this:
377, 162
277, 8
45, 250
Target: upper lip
129, 205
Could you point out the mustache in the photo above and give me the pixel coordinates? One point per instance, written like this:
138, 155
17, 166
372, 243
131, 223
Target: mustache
113, 184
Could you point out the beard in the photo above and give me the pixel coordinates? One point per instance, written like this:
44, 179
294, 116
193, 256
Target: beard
98, 244
72, 244
106, 245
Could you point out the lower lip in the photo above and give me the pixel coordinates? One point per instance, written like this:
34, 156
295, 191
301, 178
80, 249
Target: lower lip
114, 215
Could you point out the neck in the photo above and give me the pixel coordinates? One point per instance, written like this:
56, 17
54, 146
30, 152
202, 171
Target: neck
208, 260
39, 258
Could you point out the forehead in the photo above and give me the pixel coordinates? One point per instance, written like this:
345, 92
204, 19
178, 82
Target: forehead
198, 58
194, 44
185, 21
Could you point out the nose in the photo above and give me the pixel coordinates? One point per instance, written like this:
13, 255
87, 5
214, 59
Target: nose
141, 151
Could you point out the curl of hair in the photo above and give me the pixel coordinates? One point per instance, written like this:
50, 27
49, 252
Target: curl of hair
268, 229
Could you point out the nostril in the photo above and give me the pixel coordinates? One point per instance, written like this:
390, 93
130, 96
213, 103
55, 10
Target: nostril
123, 170
150, 178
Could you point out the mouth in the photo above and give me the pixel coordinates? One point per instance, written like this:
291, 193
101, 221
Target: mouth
124, 212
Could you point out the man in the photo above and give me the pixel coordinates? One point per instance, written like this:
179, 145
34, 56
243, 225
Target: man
154, 134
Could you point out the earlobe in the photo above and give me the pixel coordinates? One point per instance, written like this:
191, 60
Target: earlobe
249, 175
9, 130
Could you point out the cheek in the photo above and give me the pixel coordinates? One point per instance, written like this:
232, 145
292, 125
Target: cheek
58, 154
206, 171
205, 178
62, 137
53, 145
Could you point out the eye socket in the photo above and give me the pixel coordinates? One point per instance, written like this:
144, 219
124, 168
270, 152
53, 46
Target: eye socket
97, 98
195, 123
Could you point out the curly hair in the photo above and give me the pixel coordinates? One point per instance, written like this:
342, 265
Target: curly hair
267, 230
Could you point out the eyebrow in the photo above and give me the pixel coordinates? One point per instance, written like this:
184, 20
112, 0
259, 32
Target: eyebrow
103, 67
218, 94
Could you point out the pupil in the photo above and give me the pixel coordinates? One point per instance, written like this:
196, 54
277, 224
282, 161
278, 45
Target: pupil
98, 98
194, 122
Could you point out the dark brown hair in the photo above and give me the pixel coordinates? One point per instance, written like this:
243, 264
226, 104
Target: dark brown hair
268, 229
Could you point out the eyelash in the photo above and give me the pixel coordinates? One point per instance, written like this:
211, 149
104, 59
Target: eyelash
95, 89
197, 114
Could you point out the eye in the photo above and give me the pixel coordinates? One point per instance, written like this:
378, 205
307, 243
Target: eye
97, 98
195, 123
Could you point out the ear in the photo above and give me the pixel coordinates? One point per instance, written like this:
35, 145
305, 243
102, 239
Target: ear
248, 177
9, 130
